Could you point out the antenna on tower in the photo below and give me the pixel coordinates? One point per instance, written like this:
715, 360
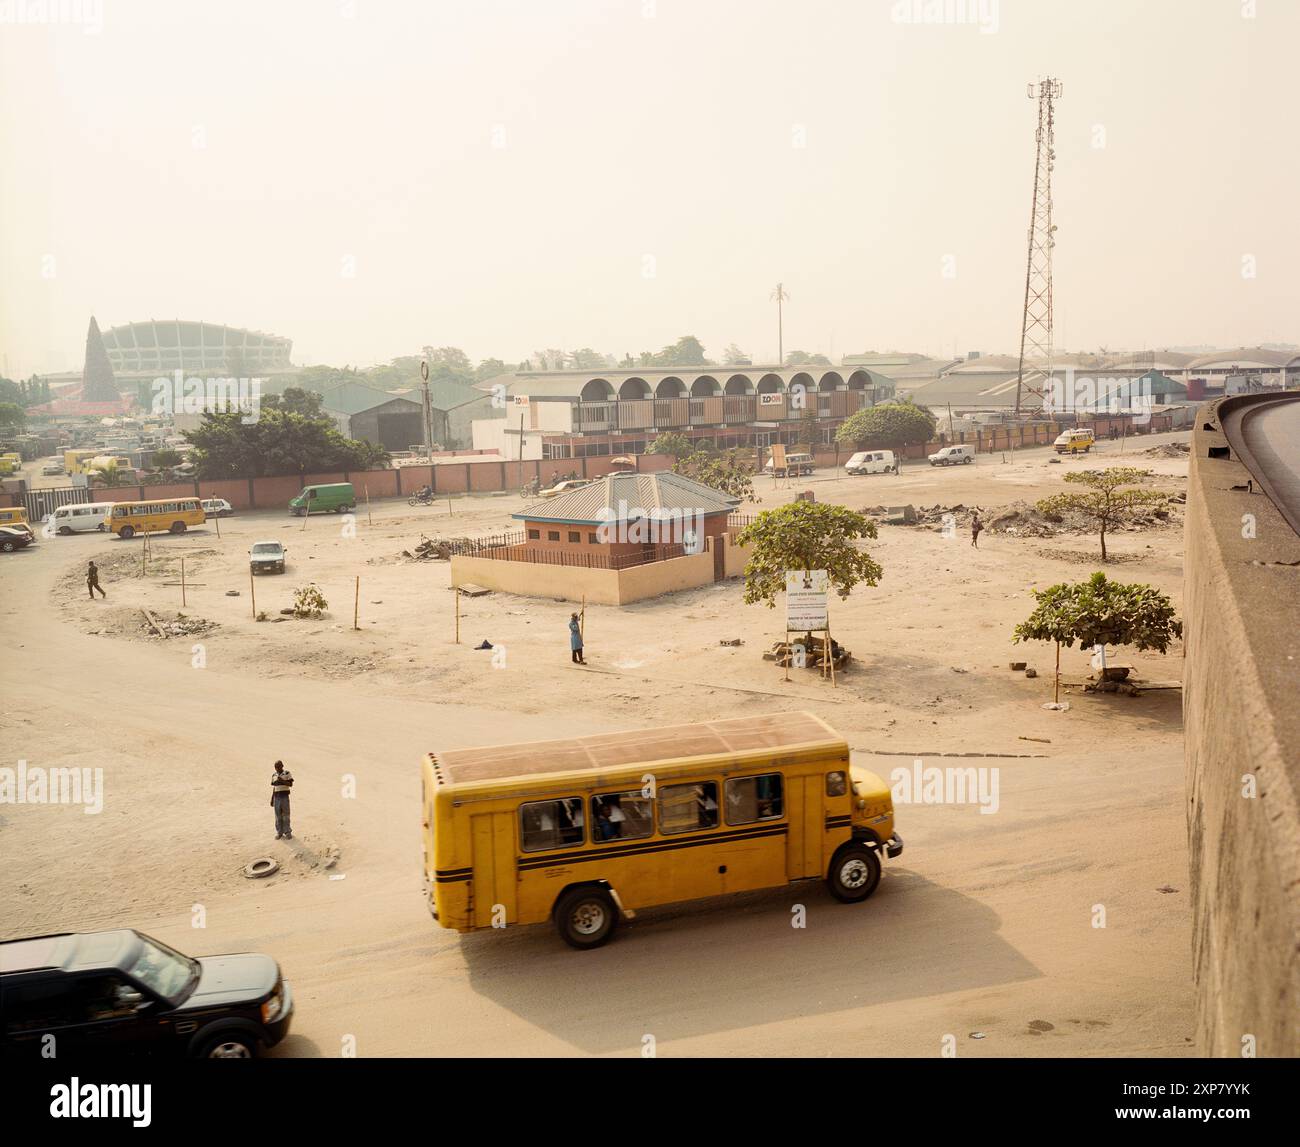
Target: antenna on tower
1036, 318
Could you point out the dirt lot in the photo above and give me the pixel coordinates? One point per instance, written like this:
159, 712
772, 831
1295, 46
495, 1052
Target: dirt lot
985, 923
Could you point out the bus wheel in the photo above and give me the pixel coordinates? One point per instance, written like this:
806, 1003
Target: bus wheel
854, 873
585, 917
126, 532
177, 528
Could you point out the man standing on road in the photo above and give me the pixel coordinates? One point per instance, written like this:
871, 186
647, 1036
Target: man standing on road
281, 784
975, 527
575, 640
92, 581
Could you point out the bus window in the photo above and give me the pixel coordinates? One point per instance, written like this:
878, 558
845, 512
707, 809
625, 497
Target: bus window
754, 798
685, 808
550, 824
836, 784
621, 816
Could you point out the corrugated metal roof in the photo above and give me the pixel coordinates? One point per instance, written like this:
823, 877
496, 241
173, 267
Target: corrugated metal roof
654, 494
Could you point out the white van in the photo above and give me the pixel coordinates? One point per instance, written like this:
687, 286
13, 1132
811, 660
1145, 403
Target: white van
953, 456
872, 462
79, 517
217, 508
796, 465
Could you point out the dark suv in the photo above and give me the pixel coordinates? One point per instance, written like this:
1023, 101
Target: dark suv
124, 992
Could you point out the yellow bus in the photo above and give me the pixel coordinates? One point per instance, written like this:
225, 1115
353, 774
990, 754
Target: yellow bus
173, 515
587, 831
14, 516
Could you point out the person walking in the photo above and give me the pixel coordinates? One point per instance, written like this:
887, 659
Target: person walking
281, 785
575, 640
975, 527
92, 581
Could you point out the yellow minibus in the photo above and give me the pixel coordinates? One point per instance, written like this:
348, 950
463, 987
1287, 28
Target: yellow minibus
14, 516
586, 831
173, 515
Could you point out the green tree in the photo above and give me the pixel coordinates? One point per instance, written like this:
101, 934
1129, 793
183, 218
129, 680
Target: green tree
13, 392
808, 428
678, 445
686, 351
734, 356
803, 358
490, 368
296, 400
587, 359
807, 536
279, 442
163, 459
888, 426
1110, 499
1100, 612
729, 473
12, 416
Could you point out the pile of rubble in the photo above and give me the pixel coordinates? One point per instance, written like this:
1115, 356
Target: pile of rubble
1169, 450
435, 549
813, 652
179, 626
1024, 520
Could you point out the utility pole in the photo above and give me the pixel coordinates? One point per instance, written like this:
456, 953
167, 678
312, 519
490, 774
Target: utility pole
780, 296
427, 411
1036, 316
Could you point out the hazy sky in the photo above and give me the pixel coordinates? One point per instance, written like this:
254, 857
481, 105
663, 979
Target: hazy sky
508, 175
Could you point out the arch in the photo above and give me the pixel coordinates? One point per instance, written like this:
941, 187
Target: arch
634, 388
670, 387
738, 384
860, 380
831, 380
804, 379
706, 386
597, 390
771, 384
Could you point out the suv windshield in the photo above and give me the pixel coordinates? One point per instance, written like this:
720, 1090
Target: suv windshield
163, 970
266, 548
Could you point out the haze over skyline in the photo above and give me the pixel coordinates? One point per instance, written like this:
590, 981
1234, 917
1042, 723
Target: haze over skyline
367, 178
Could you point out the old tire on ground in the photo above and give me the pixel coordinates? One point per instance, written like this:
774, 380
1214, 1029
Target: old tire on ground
230, 1045
585, 917
854, 873
126, 532
263, 866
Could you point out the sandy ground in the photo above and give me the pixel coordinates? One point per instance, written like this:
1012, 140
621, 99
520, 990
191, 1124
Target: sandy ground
984, 925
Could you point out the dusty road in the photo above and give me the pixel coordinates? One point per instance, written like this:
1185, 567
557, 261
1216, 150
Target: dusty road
986, 924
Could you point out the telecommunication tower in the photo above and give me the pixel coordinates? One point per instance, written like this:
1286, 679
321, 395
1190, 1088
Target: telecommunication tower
1036, 320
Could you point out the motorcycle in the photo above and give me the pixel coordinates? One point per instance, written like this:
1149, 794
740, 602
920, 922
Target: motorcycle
423, 498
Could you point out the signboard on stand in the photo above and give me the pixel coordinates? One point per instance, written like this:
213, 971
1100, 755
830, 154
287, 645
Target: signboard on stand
806, 593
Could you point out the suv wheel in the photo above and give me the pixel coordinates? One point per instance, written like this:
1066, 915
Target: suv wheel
585, 917
230, 1045
854, 873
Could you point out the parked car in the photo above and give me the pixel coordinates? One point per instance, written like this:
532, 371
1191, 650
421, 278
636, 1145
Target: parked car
52, 468
217, 508
1074, 442
267, 557
332, 498
122, 992
872, 462
564, 487
953, 455
796, 466
15, 538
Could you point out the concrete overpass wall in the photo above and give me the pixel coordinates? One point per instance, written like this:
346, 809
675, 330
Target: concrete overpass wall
1241, 702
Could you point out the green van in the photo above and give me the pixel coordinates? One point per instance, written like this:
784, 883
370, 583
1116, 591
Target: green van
319, 499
